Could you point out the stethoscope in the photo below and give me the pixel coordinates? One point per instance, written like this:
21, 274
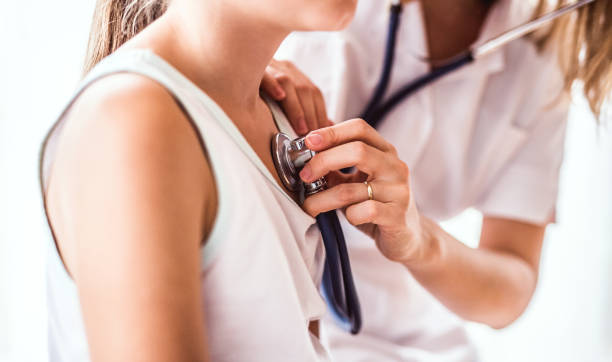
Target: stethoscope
337, 285
290, 156
377, 109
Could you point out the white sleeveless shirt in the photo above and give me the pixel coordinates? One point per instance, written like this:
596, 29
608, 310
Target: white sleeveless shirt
262, 262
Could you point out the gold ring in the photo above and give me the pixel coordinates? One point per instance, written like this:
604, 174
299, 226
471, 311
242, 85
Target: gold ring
370, 191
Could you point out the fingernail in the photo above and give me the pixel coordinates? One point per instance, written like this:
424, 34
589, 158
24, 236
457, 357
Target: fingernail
306, 173
315, 139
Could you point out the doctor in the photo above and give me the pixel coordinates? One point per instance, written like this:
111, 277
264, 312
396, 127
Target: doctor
489, 136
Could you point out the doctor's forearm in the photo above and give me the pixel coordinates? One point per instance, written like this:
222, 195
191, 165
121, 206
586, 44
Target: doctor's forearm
482, 285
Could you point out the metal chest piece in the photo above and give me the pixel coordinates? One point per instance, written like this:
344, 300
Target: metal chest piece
289, 157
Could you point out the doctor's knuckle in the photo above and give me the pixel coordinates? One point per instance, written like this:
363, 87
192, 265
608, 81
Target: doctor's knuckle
403, 170
351, 219
304, 89
309, 207
371, 210
346, 193
391, 149
319, 163
361, 126
404, 192
359, 150
351, 215
332, 135
282, 78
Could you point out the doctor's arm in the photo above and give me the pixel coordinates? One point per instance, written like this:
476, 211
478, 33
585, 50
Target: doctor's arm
491, 284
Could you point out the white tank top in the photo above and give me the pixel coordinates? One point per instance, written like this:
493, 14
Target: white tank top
262, 262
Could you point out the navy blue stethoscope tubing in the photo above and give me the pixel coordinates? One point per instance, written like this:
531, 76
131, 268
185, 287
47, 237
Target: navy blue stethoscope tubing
375, 111
383, 82
337, 285
377, 114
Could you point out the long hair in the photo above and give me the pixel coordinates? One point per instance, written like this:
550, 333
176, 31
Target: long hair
117, 21
584, 39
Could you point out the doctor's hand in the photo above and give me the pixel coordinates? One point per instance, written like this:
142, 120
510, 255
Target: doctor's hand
390, 217
301, 100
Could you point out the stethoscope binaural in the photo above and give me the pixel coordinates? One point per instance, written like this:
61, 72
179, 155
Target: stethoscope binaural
377, 109
290, 156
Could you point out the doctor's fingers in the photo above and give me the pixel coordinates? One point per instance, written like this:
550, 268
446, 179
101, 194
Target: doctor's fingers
304, 108
347, 131
306, 99
271, 86
303, 101
311, 99
376, 212
321, 109
292, 106
367, 159
347, 194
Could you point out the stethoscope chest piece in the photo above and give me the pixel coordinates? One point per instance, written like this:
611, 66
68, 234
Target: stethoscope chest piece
289, 157
285, 169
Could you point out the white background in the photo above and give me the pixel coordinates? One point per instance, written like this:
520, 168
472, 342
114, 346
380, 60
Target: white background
42, 46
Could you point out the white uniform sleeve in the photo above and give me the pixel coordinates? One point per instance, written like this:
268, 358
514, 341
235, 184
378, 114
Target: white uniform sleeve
526, 188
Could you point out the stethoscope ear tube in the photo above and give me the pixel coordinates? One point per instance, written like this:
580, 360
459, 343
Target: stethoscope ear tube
374, 116
376, 110
383, 82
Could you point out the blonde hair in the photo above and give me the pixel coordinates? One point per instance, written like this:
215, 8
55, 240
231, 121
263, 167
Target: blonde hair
584, 40
117, 21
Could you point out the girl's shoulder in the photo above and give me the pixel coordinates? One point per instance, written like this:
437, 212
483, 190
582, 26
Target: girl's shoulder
128, 108
128, 125
116, 98
125, 144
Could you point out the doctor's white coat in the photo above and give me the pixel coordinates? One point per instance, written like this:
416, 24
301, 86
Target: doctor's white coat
489, 136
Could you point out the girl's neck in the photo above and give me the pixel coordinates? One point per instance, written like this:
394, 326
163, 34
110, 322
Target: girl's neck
225, 52
221, 49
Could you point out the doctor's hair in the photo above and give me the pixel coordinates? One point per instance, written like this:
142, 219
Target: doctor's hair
117, 21
584, 40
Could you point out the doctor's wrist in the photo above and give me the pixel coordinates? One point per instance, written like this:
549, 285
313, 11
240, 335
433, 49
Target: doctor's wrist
430, 245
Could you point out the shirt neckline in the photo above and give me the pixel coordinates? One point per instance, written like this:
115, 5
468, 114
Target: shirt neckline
228, 125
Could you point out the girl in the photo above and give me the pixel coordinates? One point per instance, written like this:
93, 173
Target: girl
173, 238
489, 136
